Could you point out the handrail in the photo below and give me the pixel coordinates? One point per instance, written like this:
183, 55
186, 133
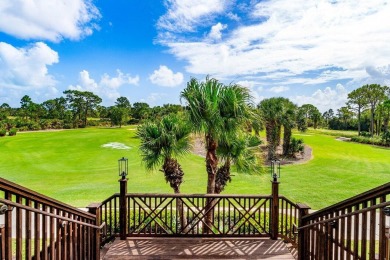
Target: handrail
366, 196
384, 204
11, 203
40, 198
180, 195
109, 198
286, 199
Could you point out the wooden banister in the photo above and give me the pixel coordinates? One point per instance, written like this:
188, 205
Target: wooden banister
24, 192
40, 227
365, 196
354, 228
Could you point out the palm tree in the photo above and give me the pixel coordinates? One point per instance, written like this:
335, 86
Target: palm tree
161, 143
271, 111
288, 120
216, 111
235, 151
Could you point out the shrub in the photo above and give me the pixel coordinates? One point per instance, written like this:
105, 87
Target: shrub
296, 146
3, 132
68, 126
254, 140
368, 140
365, 134
386, 137
12, 132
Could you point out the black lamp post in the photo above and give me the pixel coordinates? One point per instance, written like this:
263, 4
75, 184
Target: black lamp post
123, 171
275, 174
123, 167
275, 169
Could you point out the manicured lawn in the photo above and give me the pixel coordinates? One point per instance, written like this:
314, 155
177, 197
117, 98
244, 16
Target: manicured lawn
72, 166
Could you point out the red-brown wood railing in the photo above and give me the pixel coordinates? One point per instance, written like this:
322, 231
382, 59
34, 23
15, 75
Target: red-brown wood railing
39, 227
352, 229
158, 215
288, 220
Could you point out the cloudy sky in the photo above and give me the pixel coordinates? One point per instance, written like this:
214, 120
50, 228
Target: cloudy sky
309, 51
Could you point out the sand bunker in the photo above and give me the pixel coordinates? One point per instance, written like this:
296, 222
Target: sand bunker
115, 145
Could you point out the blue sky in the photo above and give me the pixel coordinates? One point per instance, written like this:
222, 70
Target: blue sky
309, 51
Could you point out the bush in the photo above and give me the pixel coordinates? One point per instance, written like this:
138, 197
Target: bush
254, 140
296, 146
12, 132
386, 137
3, 132
369, 140
365, 134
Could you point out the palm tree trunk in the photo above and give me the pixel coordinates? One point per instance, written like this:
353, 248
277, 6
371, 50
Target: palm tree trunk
272, 131
180, 211
211, 163
372, 122
286, 140
359, 128
211, 168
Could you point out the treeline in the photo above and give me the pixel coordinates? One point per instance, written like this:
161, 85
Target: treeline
77, 109
366, 111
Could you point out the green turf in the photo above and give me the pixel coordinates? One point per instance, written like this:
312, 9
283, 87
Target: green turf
71, 166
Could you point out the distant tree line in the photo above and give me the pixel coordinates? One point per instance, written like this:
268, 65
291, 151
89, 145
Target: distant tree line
77, 109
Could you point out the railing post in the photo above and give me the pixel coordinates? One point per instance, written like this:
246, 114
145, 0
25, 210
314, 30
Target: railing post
2, 245
94, 208
387, 232
122, 209
275, 210
302, 233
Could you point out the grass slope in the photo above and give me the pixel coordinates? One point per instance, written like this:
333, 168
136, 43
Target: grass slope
71, 166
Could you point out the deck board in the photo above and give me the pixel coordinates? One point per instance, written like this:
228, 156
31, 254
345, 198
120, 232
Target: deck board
198, 248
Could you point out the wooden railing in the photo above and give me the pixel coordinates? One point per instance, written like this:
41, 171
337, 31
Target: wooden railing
288, 220
38, 227
183, 215
352, 229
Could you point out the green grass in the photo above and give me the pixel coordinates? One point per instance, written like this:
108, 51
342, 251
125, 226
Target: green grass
71, 166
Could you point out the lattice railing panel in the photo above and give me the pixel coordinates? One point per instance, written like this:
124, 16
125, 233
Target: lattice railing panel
181, 215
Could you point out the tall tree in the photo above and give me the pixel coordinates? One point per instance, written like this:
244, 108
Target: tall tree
374, 94
55, 108
141, 111
288, 120
216, 111
5, 110
328, 115
82, 103
344, 114
357, 101
271, 111
312, 114
161, 143
25, 105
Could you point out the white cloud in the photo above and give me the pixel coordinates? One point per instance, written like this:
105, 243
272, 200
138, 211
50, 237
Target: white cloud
233, 16
185, 15
48, 20
27, 67
107, 87
216, 31
325, 99
341, 39
279, 89
166, 77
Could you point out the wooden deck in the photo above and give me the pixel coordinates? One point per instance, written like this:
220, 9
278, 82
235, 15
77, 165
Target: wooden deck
198, 248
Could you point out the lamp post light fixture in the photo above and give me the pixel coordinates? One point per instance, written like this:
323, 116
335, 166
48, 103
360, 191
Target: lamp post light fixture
275, 169
123, 167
